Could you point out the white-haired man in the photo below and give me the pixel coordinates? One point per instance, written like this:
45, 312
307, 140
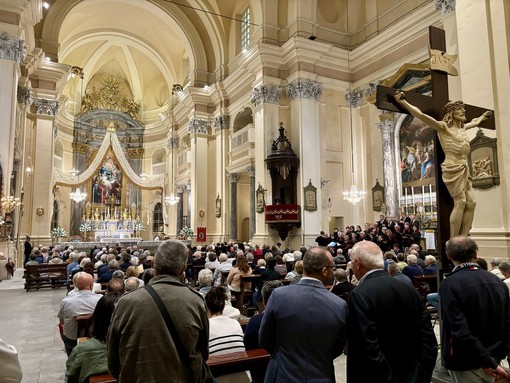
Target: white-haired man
375, 305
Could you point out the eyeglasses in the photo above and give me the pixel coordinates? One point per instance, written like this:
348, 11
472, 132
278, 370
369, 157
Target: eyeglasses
329, 266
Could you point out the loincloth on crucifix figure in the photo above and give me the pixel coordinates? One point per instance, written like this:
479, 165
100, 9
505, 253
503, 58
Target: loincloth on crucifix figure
451, 131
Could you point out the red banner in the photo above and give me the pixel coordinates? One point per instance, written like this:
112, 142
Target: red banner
201, 234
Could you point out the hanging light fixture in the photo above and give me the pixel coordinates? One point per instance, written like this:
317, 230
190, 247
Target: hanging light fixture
78, 196
353, 195
172, 199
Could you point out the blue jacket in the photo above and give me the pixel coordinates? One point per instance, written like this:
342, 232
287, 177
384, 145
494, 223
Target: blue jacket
304, 329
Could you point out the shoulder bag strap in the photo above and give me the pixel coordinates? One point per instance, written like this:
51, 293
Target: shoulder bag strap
171, 327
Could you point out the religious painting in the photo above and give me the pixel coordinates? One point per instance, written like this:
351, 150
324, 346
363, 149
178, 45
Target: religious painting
483, 161
260, 198
416, 145
377, 196
310, 193
107, 184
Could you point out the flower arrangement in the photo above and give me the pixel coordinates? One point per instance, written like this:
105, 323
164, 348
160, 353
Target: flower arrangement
186, 232
58, 232
84, 227
138, 226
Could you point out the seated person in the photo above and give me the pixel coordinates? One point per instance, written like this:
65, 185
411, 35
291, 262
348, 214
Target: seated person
148, 274
89, 357
394, 271
113, 265
251, 334
241, 269
280, 267
132, 284
298, 269
229, 310
205, 280
430, 265
341, 285
412, 269
225, 334
261, 267
116, 286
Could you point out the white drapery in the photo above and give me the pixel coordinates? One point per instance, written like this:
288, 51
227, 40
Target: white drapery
110, 139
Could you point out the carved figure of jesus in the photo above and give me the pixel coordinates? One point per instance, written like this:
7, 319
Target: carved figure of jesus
451, 131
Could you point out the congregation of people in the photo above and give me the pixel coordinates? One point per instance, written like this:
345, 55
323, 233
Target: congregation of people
156, 318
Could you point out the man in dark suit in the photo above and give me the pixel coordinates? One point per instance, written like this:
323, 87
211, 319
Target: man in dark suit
475, 309
379, 351
303, 327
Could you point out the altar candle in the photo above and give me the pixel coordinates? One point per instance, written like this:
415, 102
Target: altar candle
405, 193
423, 195
412, 195
430, 197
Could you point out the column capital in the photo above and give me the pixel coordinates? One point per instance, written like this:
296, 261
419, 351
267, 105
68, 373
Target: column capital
46, 107
308, 89
12, 48
446, 6
251, 170
354, 98
386, 126
197, 126
24, 95
172, 143
265, 94
221, 122
233, 177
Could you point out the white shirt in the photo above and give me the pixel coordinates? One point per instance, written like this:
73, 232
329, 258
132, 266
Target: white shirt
81, 303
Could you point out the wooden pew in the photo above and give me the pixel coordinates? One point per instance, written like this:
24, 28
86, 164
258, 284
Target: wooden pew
83, 321
219, 364
105, 378
45, 275
245, 297
425, 284
238, 361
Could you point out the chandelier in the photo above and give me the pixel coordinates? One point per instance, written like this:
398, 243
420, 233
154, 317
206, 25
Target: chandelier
172, 199
78, 196
9, 203
353, 195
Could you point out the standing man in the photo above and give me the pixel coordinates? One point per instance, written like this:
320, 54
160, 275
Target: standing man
80, 303
475, 309
141, 347
27, 249
390, 334
303, 327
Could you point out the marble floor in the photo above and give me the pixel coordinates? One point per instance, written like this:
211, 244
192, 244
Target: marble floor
29, 322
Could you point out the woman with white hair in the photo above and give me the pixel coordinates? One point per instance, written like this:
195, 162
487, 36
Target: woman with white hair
205, 280
430, 265
135, 261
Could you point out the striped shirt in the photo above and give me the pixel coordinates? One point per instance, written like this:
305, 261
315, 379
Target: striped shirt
225, 335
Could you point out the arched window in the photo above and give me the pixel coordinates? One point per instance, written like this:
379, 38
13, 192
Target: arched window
158, 161
54, 218
243, 119
157, 221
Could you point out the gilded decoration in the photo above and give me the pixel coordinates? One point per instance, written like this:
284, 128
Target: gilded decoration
80, 148
111, 93
135, 152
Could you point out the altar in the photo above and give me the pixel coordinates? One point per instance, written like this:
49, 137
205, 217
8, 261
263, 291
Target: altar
112, 230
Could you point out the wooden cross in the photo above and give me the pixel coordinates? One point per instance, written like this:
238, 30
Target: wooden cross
433, 105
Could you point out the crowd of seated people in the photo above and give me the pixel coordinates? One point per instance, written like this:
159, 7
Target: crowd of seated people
127, 269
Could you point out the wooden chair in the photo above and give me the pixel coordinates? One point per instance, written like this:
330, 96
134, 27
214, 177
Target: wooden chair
425, 284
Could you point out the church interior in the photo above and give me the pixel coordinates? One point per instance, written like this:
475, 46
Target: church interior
248, 121
257, 121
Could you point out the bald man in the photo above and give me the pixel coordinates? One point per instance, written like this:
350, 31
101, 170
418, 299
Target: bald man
390, 336
80, 303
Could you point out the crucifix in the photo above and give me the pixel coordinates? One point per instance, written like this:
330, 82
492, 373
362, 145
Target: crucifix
432, 106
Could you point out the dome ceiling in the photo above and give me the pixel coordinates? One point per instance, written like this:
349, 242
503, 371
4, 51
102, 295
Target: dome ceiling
123, 39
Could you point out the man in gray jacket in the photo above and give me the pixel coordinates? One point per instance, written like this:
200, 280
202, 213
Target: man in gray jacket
140, 346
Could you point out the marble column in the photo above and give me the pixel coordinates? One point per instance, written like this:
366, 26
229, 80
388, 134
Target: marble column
304, 110
46, 110
233, 178
251, 173
180, 209
221, 130
198, 188
12, 53
387, 127
265, 99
